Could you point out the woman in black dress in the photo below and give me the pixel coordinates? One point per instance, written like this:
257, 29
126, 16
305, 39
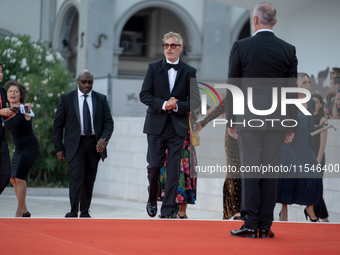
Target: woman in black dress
26, 144
304, 187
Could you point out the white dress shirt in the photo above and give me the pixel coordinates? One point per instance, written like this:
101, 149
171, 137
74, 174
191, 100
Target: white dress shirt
81, 105
172, 73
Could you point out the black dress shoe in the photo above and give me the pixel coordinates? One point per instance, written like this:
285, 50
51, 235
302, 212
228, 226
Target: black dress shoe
26, 214
266, 234
166, 216
244, 232
85, 215
151, 209
71, 215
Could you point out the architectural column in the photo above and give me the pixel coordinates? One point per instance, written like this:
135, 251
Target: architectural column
95, 41
216, 47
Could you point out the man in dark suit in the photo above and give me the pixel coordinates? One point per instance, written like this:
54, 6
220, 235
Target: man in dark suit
86, 117
260, 57
169, 90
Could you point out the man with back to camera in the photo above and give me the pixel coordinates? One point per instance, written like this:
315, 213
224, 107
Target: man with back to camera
261, 56
169, 90
86, 117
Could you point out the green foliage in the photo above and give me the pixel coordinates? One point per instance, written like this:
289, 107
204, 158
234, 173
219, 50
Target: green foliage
42, 72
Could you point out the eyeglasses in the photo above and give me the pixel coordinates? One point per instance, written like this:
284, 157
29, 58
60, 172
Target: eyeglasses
172, 46
90, 82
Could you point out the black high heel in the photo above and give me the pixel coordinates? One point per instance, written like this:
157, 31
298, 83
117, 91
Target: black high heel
307, 216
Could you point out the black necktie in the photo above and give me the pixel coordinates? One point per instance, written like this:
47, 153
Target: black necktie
172, 66
87, 118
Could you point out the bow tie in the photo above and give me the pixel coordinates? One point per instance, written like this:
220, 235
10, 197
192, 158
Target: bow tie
172, 66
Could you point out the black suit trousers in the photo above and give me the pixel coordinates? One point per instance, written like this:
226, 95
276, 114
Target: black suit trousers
83, 174
157, 145
258, 192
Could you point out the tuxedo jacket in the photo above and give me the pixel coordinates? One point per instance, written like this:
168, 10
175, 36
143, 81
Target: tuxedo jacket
261, 62
67, 116
155, 91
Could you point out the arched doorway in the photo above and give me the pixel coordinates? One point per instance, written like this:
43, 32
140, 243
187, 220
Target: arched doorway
65, 39
141, 36
138, 34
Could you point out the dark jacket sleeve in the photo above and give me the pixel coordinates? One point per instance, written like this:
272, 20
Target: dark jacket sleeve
58, 126
146, 94
234, 75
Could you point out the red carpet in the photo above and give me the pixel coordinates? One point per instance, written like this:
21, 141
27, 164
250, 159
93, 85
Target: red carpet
102, 236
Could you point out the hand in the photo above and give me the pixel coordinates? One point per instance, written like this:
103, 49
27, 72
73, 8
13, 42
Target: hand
319, 159
6, 112
198, 126
289, 137
101, 145
29, 107
232, 132
171, 104
61, 156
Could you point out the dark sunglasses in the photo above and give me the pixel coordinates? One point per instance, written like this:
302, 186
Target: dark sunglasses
90, 82
172, 46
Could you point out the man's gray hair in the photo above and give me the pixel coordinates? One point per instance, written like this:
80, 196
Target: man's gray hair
266, 13
173, 34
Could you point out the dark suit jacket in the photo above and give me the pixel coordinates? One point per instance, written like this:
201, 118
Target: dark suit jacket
262, 56
4, 101
67, 116
155, 90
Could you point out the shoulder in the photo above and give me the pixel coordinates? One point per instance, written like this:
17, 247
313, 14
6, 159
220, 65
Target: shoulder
98, 95
70, 94
323, 120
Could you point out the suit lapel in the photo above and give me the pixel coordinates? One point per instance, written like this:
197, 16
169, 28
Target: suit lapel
166, 75
94, 105
76, 104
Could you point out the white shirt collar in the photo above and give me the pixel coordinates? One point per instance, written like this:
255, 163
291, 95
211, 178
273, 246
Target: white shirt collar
175, 63
80, 94
263, 30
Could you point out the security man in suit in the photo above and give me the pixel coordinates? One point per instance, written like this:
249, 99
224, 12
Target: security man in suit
86, 117
169, 90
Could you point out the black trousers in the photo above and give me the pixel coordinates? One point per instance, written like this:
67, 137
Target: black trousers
258, 190
83, 174
157, 145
